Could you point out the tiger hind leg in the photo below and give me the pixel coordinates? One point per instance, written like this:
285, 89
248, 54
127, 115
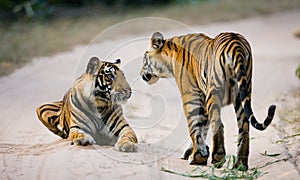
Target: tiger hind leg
214, 115
243, 136
127, 141
49, 114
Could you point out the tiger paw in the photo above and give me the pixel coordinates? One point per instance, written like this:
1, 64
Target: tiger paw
198, 157
84, 140
217, 158
126, 146
241, 167
241, 164
187, 153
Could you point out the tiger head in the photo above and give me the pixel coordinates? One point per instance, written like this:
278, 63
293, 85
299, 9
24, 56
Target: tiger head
107, 82
157, 62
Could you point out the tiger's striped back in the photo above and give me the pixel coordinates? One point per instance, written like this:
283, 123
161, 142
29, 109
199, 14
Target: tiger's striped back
235, 52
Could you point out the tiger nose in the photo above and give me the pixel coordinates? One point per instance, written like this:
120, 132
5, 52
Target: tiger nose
146, 77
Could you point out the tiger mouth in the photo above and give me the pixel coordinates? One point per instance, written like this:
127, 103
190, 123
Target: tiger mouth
114, 96
118, 98
121, 96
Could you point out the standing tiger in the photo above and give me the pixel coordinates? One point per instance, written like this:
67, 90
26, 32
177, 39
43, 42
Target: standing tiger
210, 73
90, 111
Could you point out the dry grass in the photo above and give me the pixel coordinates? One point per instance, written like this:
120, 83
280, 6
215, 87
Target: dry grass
289, 126
21, 41
290, 114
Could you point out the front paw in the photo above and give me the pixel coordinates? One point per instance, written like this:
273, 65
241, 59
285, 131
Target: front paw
126, 146
187, 153
84, 140
199, 158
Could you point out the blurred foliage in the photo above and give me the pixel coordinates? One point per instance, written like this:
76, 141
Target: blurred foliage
46, 8
35, 28
298, 71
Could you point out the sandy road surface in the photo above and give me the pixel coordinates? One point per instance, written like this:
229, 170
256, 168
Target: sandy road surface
29, 151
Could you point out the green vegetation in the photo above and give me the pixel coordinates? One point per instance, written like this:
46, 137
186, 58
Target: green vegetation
298, 71
46, 29
289, 125
225, 173
270, 155
290, 116
45, 8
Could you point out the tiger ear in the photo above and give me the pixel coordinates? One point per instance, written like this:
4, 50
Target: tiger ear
157, 40
117, 62
92, 65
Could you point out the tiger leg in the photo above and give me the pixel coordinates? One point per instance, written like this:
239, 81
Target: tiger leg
243, 136
214, 115
197, 152
127, 141
190, 146
49, 115
80, 137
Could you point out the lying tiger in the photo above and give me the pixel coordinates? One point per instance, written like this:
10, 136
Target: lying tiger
210, 73
91, 109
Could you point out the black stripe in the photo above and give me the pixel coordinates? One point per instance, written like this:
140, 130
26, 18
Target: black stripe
56, 123
119, 130
182, 40
196, 112
241, 129
192, 132
105, 115
182, 68
48, 109
51, 105
78, 104
247, 109
241, 72
193, 102
243, 90
198, 125
66, 125
256, 124
118, 122
77, 127
175, 46
169, 44
80, 120
115, 121
235, 51
222, 65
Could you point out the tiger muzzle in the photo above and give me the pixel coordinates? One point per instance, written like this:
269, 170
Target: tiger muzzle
127, 92
121, 96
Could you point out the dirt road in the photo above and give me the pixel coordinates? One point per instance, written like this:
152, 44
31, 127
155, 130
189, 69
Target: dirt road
29, 151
